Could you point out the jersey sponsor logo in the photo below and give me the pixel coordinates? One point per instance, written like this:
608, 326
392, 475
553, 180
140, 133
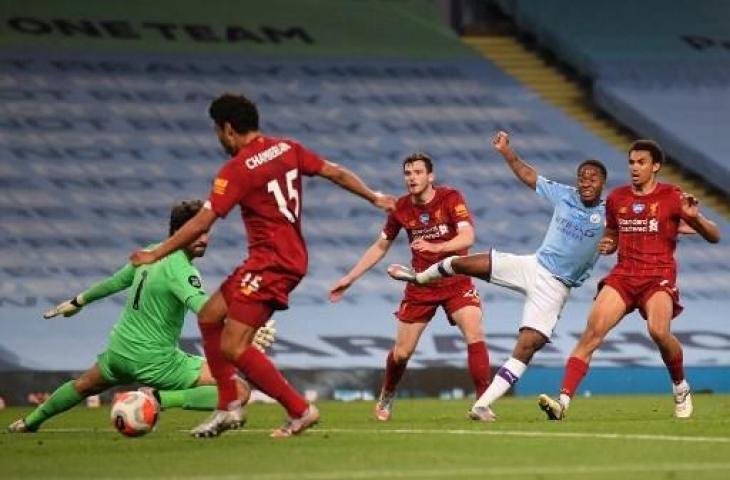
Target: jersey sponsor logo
430, 233
220, 185
194, 281
638, 208
267, 155
424, 218
595, 218
640, 225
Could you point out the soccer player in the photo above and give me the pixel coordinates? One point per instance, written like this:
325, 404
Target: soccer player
564, 261
643, 221
438, 224
143, 344
264, 178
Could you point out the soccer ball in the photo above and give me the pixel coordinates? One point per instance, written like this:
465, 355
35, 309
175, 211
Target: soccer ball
134, 413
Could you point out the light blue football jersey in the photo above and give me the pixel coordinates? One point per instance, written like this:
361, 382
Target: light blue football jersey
570, 247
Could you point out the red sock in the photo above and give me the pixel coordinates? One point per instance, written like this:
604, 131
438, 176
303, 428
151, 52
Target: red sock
393, 373
575, 370
675, 365
478, 359
258, 368
221, 369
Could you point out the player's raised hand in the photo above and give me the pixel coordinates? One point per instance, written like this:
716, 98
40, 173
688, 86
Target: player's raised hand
142, 257
68, 308
421, 245
385, 202
265, 336
339, 288
500, 141
690, 205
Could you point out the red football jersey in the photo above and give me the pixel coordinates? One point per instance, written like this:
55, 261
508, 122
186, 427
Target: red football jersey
265, 180
647, 230
437, 222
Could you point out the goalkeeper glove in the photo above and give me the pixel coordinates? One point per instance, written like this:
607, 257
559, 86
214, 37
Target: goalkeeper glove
265, 336
68, 308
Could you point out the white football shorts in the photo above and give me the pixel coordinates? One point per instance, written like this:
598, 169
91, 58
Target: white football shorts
545, 294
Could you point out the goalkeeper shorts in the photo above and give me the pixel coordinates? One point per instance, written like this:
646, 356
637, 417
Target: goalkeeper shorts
175, 370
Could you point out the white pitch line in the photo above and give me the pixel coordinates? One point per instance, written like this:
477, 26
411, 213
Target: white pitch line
490, 433
477, 472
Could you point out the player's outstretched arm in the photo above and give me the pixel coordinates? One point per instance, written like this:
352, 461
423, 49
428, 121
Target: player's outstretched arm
371, 256
193, 228
696, 221
524, 171
351, 182
121, 280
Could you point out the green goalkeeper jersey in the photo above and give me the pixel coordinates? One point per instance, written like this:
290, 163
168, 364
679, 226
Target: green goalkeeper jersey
154, 312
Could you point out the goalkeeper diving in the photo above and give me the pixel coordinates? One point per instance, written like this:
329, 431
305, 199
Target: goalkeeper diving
143, 344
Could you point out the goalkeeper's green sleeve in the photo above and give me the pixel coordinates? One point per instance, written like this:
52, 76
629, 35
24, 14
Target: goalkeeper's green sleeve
121, 280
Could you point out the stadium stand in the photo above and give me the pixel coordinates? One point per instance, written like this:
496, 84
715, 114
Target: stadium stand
661, 68
96, 146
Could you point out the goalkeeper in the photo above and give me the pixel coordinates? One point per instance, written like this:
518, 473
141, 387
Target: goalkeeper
142, 345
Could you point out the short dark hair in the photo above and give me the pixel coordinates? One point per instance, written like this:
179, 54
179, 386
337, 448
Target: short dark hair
182, 212
657, 154
420, 156
594, 163
237, 110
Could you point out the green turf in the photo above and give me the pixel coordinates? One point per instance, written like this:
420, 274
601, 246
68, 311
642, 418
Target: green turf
603, 437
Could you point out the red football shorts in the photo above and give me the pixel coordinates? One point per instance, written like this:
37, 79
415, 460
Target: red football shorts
253, 295
636, 291
420, 303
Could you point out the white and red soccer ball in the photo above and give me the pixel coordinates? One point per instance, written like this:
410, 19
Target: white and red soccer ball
134, 413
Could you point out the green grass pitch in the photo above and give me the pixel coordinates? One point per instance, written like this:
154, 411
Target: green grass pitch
603, 437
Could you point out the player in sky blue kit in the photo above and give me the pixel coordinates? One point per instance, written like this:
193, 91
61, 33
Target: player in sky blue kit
563, 261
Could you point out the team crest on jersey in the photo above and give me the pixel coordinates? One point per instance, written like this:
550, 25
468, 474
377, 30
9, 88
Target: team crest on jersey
595, 218
424, 218
194, 281
653, 209
638, 208
439, 216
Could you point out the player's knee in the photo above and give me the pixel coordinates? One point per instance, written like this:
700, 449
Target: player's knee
658, 334
231, 350
401, 354
592, 338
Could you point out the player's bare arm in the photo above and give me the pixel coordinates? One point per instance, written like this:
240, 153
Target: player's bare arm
697, 222
351, 182
609, 243
524, 171
372, 256
463, 239
193, 228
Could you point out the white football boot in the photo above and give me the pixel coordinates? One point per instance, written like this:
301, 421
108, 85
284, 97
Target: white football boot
482, 414
384, 406
554, 409
682, 400
218, 422
295, 426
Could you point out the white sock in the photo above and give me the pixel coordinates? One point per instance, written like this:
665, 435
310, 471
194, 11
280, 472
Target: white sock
683, 385
506, 377
436, 271
564, 399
